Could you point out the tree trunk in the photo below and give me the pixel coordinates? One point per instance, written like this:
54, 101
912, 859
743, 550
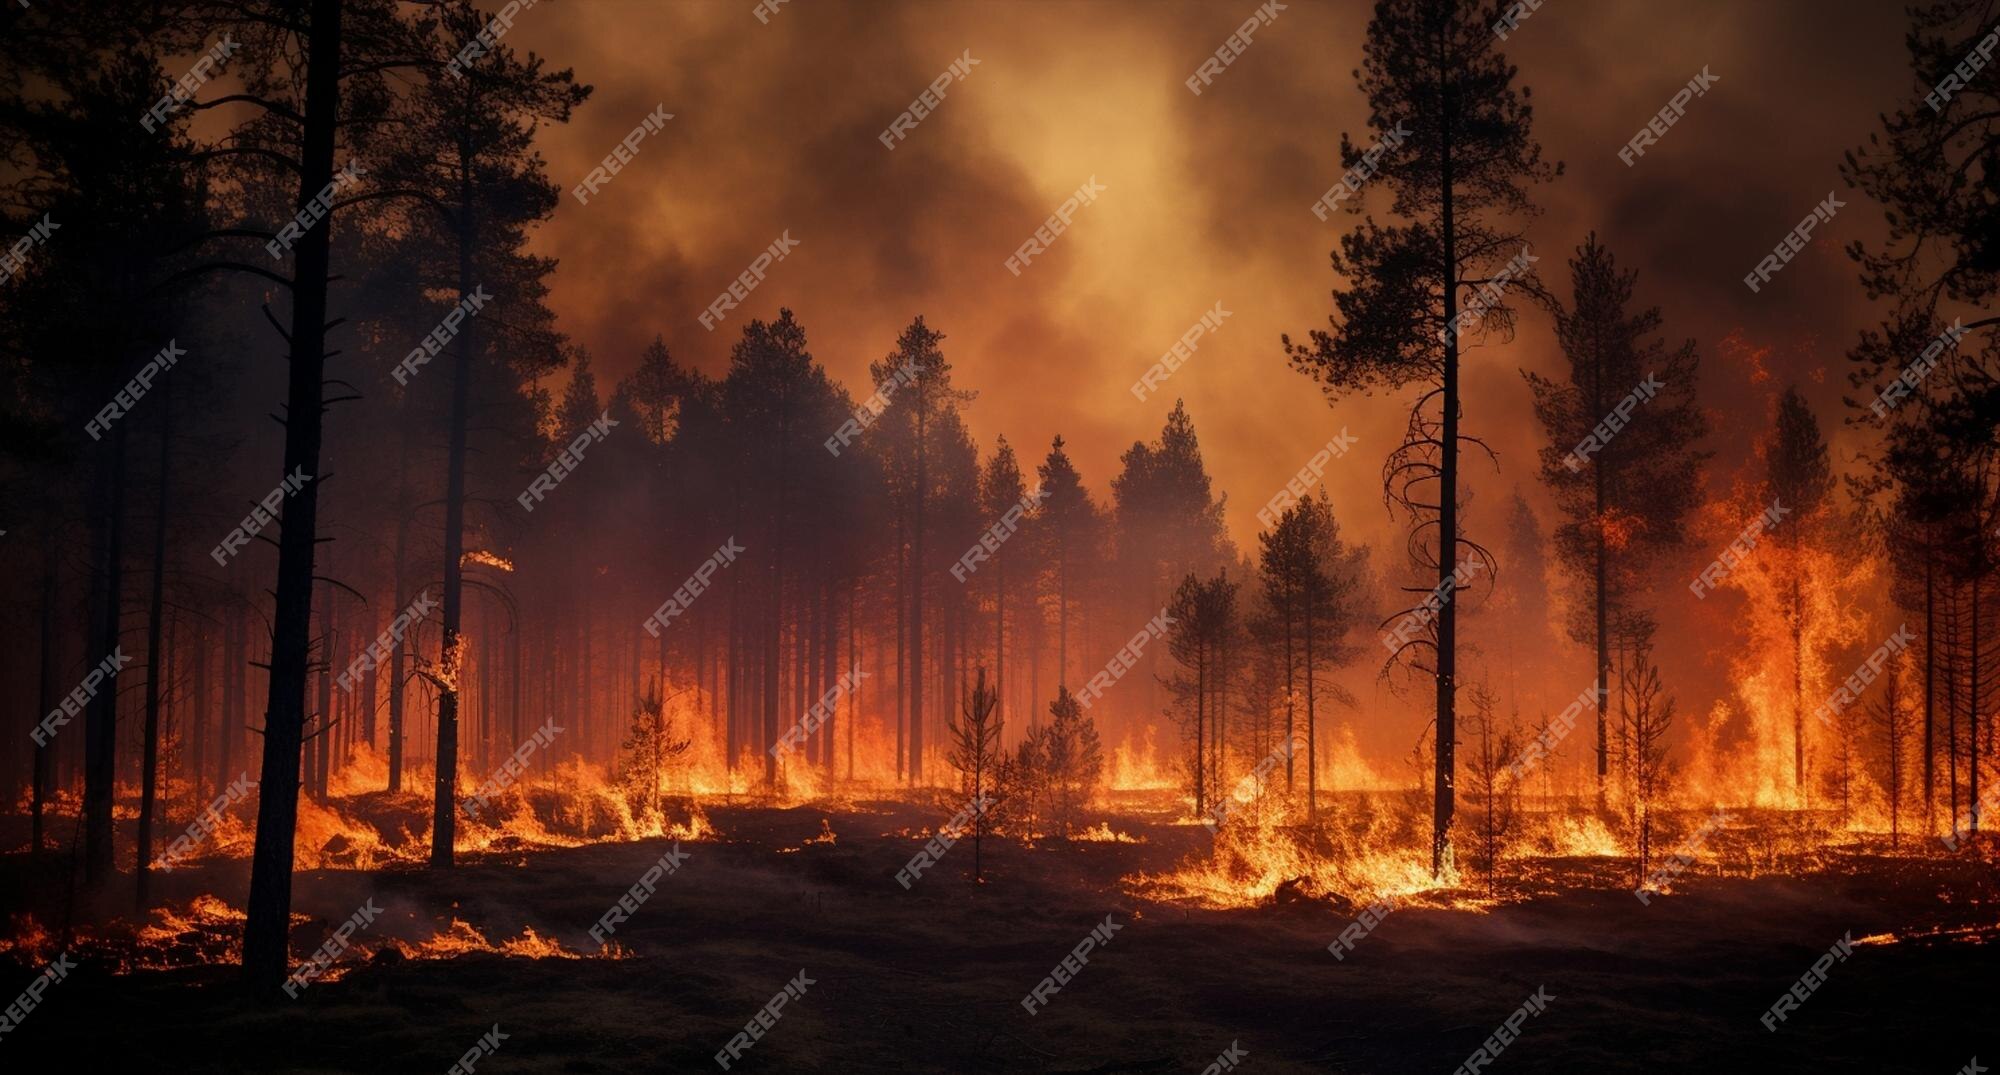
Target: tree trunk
452, 656
400, 648
1447, 633
265, 948
917, 607
1972, 705
155, 650
46, 683
100, 749
1930, 691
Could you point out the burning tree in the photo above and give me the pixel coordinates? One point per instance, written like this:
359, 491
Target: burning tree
1204, 615
1931, 169
1620, 459
1649, 716
1800, 479
1434, 76
975, 753
650, 746
1068, 526
1891, 715
1058, 768
1311, 579
1495, 791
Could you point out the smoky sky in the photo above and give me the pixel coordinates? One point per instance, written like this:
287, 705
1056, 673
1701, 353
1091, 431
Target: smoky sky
1206, 201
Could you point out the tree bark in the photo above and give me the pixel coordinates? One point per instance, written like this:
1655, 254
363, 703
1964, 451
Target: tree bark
155, 650
265, 934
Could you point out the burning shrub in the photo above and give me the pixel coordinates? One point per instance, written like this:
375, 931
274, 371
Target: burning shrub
649, 747
1052, 778
1492, 787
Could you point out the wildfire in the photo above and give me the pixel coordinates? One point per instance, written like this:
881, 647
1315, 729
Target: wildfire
488, 559
1102, 833
463, 938
1136, 766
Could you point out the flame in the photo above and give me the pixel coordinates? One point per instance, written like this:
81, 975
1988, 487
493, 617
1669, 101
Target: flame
1137, 767
1102, 833
1747, 751
481, 556
463, 938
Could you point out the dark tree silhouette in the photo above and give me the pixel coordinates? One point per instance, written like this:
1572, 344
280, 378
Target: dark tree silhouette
1621, 457
1433, 66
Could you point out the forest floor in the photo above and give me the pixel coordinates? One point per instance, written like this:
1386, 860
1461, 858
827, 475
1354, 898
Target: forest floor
932, 978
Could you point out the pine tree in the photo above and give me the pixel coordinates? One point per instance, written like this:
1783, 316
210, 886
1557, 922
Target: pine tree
1621, 455
1799, 477
1066, 524
975, 753
1431, 68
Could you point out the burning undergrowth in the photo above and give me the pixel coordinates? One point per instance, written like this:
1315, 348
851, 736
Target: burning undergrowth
208, 931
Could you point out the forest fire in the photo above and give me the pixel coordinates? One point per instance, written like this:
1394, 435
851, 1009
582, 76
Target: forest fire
480, 603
